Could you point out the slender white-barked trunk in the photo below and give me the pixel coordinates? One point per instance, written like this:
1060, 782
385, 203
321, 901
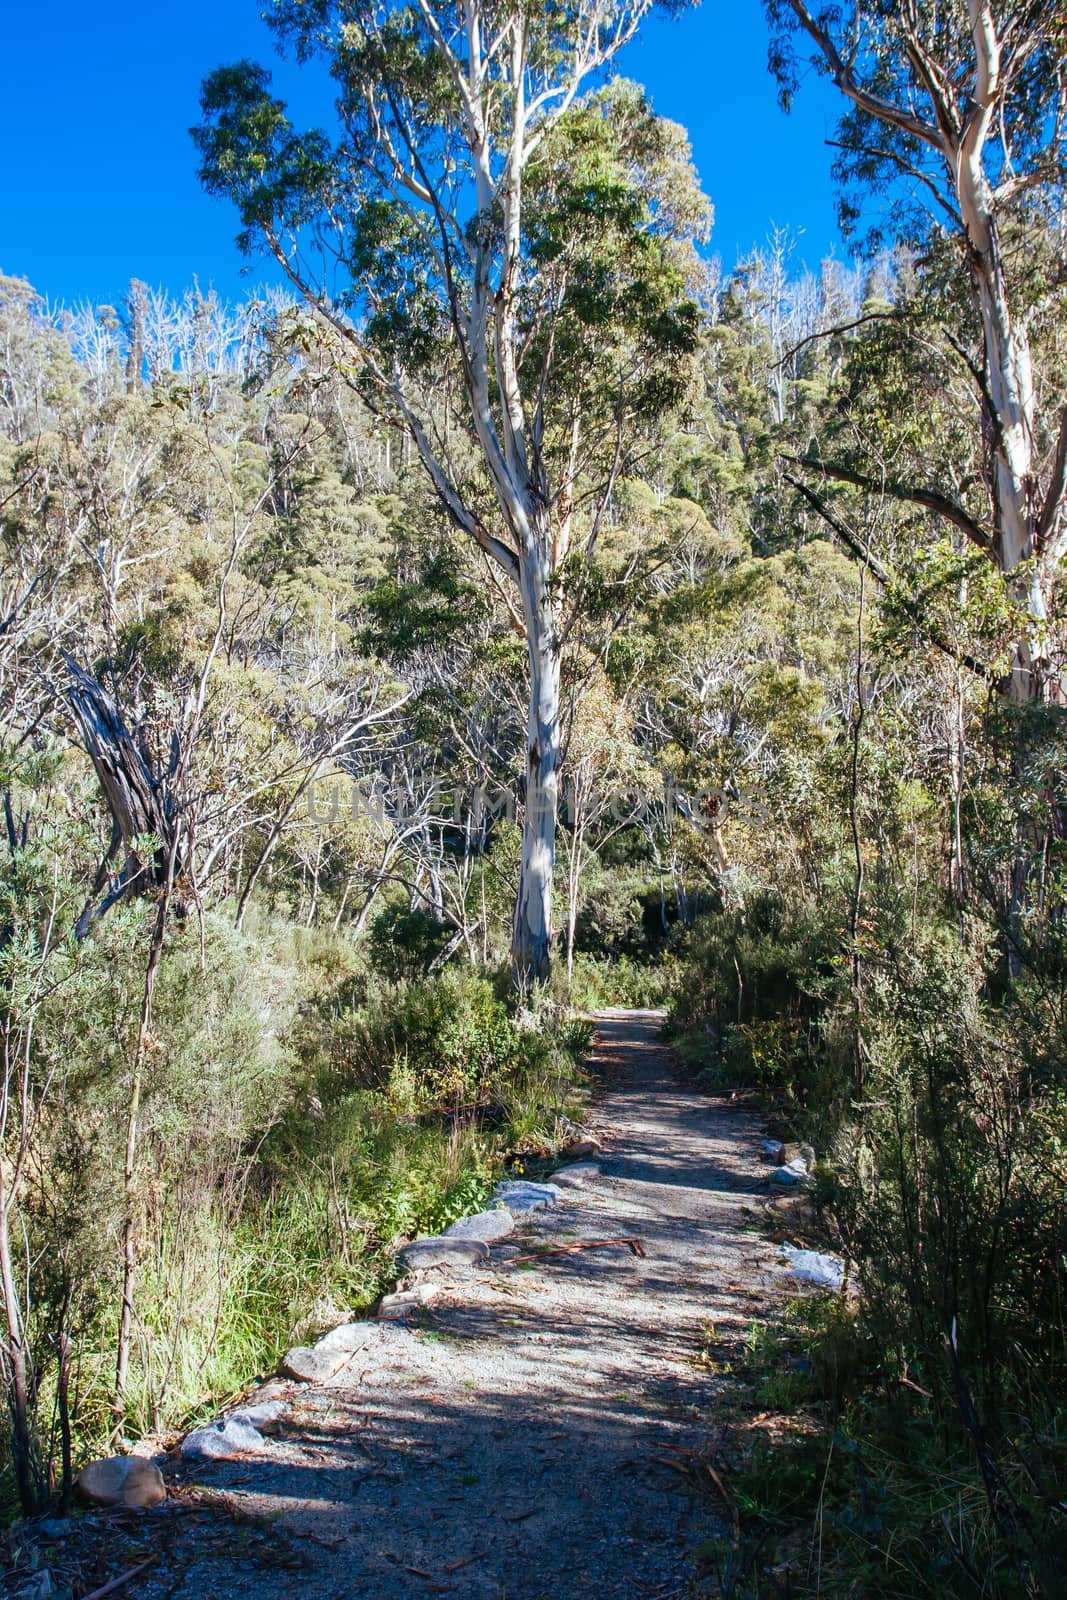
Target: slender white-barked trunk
1011, 394
532, 934
1009, 376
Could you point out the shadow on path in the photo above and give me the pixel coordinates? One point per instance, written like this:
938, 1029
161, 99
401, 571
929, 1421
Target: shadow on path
524, 1439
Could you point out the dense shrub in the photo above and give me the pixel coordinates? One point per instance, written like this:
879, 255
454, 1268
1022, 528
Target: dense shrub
951, 1177
406, 943
750, 999
620, 981
934, 1094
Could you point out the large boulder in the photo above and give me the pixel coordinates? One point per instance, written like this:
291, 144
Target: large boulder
422, 1254
488, 1226
121, 1481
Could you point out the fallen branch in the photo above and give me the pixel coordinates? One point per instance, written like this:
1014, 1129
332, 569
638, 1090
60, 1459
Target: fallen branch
634, 1245
691, 1467
117, 1583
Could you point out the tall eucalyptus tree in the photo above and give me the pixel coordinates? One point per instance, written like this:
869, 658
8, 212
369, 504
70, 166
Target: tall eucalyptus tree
503, 253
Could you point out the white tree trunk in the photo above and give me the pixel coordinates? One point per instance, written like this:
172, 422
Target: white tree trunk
532, 934
1009, 371
1011, 397
960, 138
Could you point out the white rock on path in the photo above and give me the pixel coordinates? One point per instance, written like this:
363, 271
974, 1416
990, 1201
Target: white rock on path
576, 1175
488, 1226
308, 1365
792, 1176
520, 1196
320, 1362
394, 1307
814, 1266
225, 1439
442, 1252
349, 1337
259, 1414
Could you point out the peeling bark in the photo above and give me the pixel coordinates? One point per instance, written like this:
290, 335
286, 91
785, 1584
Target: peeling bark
138, 800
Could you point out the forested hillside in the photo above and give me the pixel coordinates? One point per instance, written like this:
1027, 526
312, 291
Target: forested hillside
553, 617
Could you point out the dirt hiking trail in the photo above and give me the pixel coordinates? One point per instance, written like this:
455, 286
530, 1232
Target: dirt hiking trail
525, 1437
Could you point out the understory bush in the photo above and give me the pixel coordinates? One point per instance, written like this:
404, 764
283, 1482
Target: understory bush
751, 1000
619, 981
934, 1095
846, 1485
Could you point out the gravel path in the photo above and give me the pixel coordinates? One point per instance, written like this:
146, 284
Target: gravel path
525, 1438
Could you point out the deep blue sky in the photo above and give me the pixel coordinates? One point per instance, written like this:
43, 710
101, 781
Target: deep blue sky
98, 183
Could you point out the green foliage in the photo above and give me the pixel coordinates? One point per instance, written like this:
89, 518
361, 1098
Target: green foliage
405, 943
854, 1484
617, 981
949, 1187
750, 1002
856, 906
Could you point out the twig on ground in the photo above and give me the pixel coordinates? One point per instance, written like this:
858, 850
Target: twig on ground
634, 1245
117, 1583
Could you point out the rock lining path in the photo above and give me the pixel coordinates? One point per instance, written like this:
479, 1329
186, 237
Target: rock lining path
518, 1442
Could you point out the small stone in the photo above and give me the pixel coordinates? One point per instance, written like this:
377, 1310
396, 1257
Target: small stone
815, 1266
121, 1481
580, 1148
793, 1175
226, 1439
772, 1150
791, 1154
395, 1307
489, 1226
577, 1175
442, 1252
271, 1389
309, 1365
260, 1414
320, 1362
56, 1527
348, 1337
520, 1196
